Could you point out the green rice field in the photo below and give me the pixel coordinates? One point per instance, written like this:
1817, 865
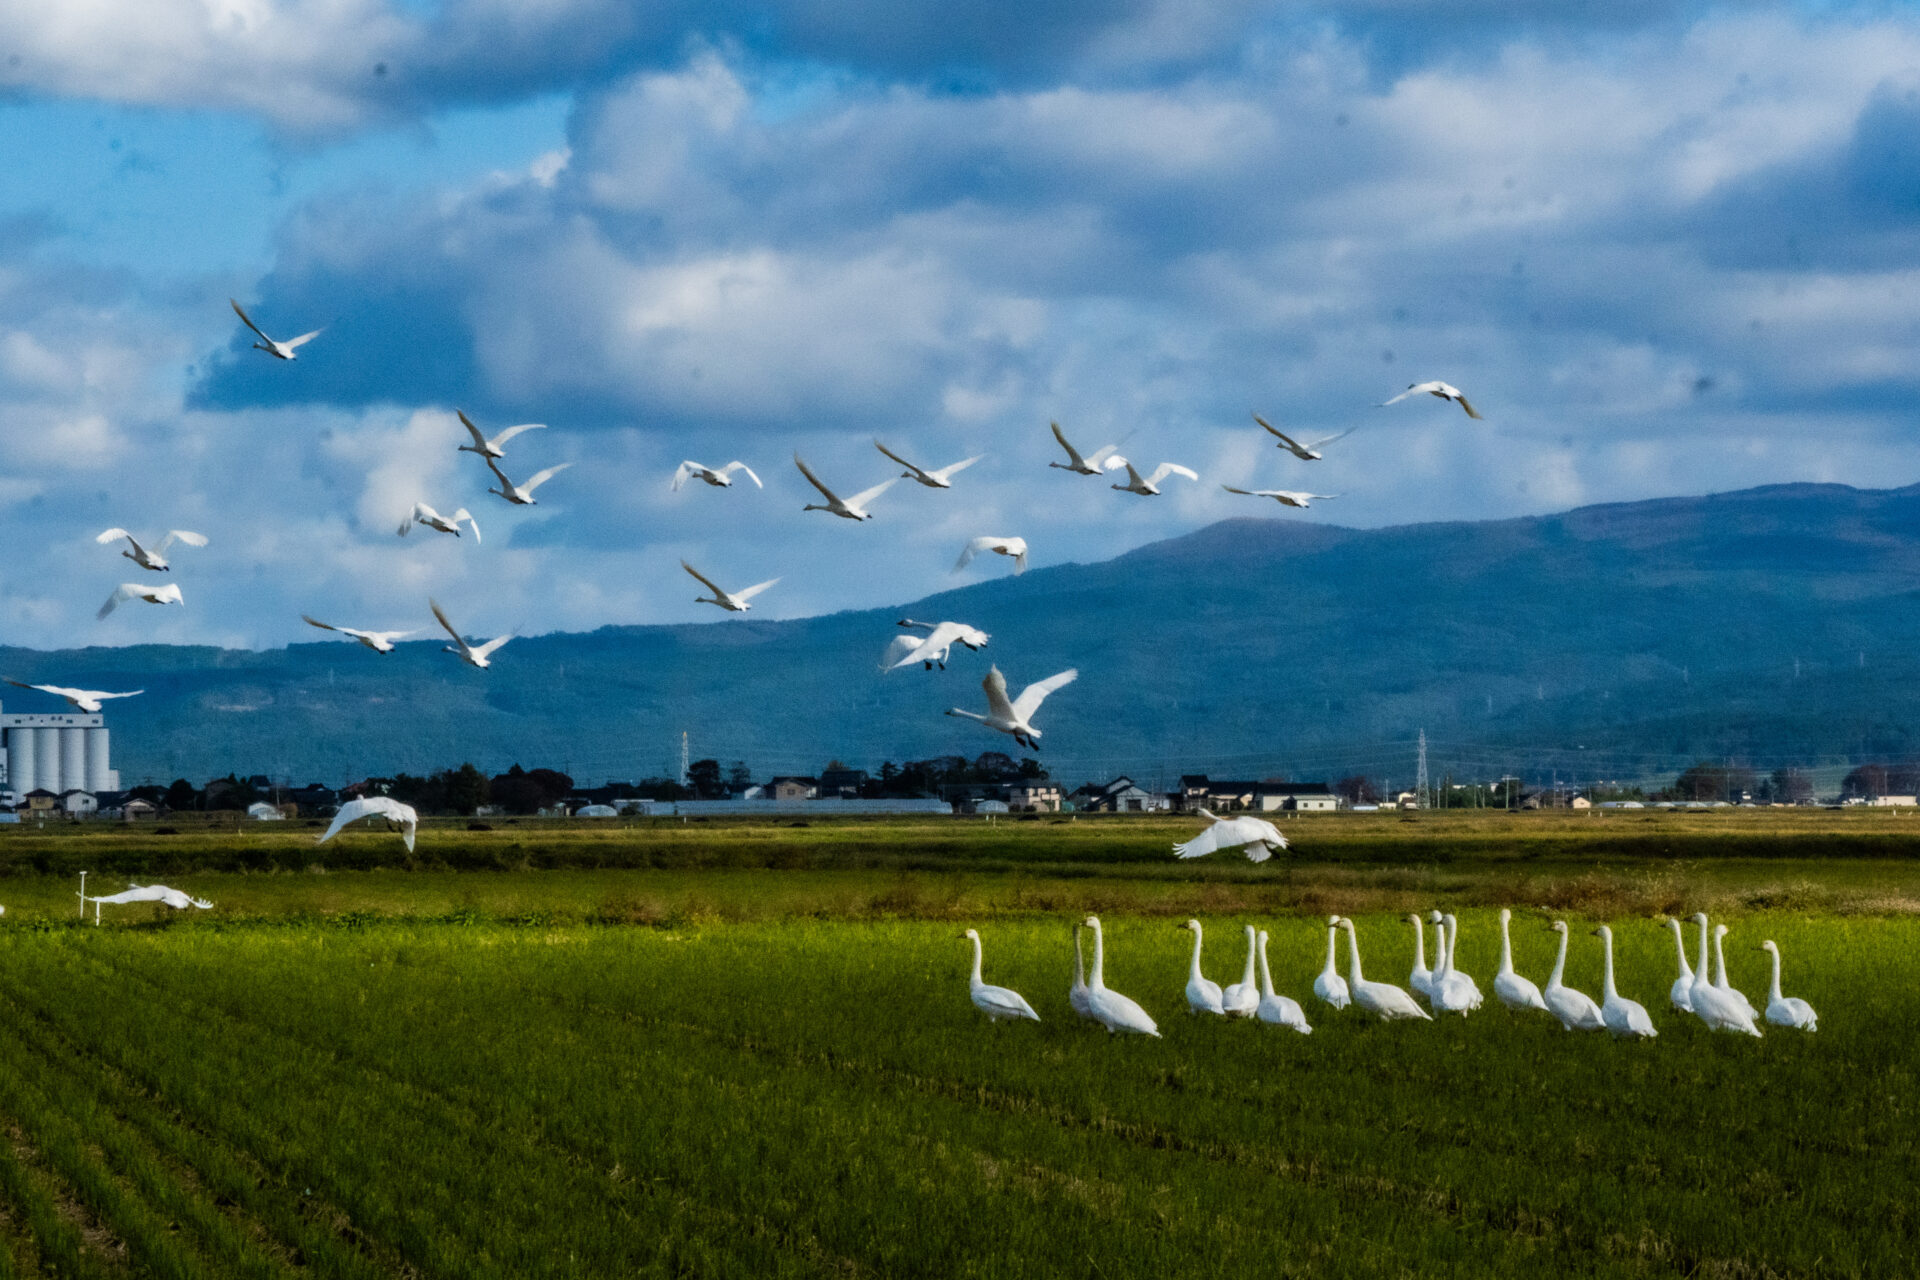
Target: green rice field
660, 1060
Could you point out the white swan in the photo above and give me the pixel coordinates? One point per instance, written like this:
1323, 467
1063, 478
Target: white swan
521, 495
1279, 1010
152, 893
279, 350
1242, 999
82, 699
154, 557
1439, 389
1510, 988
168, 594
1090, 465
1717, 1008
1452, 991
1203, 994
1623, 1017
1680, 995
1421, 978
426, 515
941, 479
1576, 1010
378, 641
491, 448
1260, 838
931, 649
1014, 548
1112, 1010
995, 1002
731, 601
1381, 999
1285, 497
1309, 452
1079, 995
1786, 1011
1720, 972
1149, 486
854, 508
473, 655
718, 477
1015, 717
375, 807
1330, 987
1469, 989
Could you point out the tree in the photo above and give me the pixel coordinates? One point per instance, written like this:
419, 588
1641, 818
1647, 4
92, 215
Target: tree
1709, 781
739, 777
1792, 786
1867, 781
528, 791
704, 777
465, 788
182, 796
1358, 790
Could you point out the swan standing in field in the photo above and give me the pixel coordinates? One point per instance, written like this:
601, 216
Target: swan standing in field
473, 655
168, 594
1080, 995
1150, 486
1623, 1017
1014, 548
1513, 991
1720, 972
1717, 1008
1680, 996
426, 515
1469, 989
1015, 717
1452, 991
491, 448
941, 479
174, 898
1242, 999
154, 557
378, 641
1330, 987
995, 1002
1110, 1009
1203, 994
1090, 465
521, 495
854, 508
731, 601
82, 699
375, 807
1381, 999
1576, 1010
718, 477
1285, 497
1279, 1010
1309, 452
1421, 978
931, 649
1438, 389
1786, 1011
1260, 838
278, 350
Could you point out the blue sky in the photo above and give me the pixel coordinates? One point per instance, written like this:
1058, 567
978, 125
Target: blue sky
1667, 248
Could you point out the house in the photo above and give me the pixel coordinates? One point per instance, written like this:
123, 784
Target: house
39, 802
788, 788
1034, 797
139, 810
1121, 795
1296, 797
1895, 802
76, 803
1197, 791
967, 797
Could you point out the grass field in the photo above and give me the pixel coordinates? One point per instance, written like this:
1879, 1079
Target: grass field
739, 1070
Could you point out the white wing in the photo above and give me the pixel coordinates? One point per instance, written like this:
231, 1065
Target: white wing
125, 591
973, 549
1201, 845
1282, 436
996, 686
860, 500
498, 474
479, 440
247, 322
187, 536
315, 622
464, 514
486, 650
902, 461
302, 340
704, 579
435, 606
1098, 458
900, 652
111, 534
511, 432
681, 473
754, 590
134, 893
946, 473
1414, 390
1073, 454
1166, 469
814, 480
743, 467
1133, 477
369, 806
1327, 440
542, 477
1034, 694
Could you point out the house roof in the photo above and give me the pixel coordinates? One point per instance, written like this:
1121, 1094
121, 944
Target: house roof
1295, 789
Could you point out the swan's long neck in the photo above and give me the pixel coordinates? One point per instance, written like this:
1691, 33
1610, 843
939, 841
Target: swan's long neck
1099, 958
1453, 940
1719, 963
1193, 970
1420, 943
1773, 988
1079, 960
1353, 952
1559, 962
1606, 986
1246, 978
1706, 970
1680, 949
1443, 951
1266, 974
976, 980
1331, 966
1506, 948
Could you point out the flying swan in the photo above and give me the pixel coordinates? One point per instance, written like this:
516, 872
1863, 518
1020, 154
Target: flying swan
168, 594
1015, 548
1091, 465
1015, 717
1309, 452
491, 448
474, 656
941, 479
82, 699
1261, 838
279, 350
1150, 486
731, 601
152, 893
375, 807
521, 495
931, 649
854, 508
154, 557
718, 477
1285, 497
426, 515
1437, 389
378, 641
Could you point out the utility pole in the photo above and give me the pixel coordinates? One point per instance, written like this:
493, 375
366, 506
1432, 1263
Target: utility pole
1420, 784
683, 757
